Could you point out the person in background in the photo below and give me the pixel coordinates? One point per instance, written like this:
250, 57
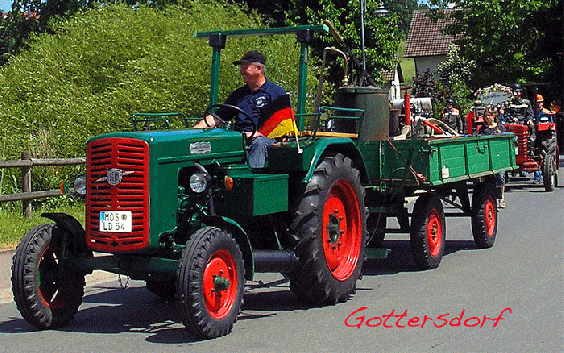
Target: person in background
253, 98
501, 113
541, 113
492, 127
451, 116
555, 106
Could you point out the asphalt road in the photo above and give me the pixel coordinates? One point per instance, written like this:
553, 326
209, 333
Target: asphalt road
504, 299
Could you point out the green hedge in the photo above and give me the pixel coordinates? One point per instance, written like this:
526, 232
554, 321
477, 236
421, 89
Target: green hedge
105, 64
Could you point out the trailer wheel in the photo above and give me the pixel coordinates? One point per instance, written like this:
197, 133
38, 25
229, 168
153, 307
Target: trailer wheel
549, 176
484, 219
162, 289
331, 227
210, 283
428, 231
46, 294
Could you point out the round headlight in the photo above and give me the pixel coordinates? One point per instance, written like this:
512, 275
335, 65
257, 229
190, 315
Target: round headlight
79, 184
199, 182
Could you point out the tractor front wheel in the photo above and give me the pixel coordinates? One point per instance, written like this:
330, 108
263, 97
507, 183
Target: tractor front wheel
549, 172
46, 294
428, 231
210, 283
331, 226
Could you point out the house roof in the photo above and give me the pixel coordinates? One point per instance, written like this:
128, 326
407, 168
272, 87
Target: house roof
26, 15
426, 37
390, 75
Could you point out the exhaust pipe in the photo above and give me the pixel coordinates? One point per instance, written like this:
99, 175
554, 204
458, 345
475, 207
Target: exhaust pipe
282, 261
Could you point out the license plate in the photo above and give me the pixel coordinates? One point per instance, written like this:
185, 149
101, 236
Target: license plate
115, 221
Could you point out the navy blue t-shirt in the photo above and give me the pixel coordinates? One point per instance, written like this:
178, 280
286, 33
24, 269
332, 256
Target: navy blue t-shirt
253, 103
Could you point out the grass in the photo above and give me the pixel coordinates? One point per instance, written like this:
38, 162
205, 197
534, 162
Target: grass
13, 224
407, 65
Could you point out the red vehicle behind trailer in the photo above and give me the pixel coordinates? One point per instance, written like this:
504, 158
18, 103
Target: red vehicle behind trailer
536, 147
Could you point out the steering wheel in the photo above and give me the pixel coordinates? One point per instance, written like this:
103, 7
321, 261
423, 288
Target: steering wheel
232, 107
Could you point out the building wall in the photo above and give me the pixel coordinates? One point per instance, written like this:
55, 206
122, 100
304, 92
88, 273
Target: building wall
428, 62
393, 88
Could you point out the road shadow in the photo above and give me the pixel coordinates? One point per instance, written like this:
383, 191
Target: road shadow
523, 185
400, 257
271, 296
112, 311
525, 182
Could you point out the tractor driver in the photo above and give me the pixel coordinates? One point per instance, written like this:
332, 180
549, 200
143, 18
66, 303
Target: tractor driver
252, 98
520, 107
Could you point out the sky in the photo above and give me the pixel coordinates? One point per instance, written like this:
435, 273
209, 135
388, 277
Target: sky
423, 2
6, 5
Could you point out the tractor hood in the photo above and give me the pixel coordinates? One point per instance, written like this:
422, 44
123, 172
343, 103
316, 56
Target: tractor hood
172, 146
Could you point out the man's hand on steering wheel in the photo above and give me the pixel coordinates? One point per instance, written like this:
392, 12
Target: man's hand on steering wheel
232, 107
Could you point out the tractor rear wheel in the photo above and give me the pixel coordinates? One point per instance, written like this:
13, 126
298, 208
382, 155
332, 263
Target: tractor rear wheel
484, 217
210, 283
331, 226
46, 294
428, 231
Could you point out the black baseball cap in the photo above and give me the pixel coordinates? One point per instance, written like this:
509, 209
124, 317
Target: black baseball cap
517, 88
252, 56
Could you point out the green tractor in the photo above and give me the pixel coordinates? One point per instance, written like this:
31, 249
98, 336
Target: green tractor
182, 210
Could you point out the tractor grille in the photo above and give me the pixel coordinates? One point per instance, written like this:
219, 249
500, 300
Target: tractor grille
522, 133
129, 158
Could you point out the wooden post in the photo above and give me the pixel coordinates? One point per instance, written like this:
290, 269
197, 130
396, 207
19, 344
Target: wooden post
26, 185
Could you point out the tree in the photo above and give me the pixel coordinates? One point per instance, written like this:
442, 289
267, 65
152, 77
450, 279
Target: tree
424, 84
404, 10
31, 17
454, 74
278, 12
96, 69
381, 33
272, 12
511, 40
451, 83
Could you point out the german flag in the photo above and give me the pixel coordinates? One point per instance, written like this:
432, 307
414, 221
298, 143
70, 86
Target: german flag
278, 118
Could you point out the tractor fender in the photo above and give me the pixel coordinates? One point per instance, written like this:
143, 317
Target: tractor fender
328, 147
77, 234
241, 237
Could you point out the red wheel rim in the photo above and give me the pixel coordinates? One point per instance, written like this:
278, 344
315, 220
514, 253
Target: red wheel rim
342, 230
434, 233
49, 285
220, 284
490, 217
